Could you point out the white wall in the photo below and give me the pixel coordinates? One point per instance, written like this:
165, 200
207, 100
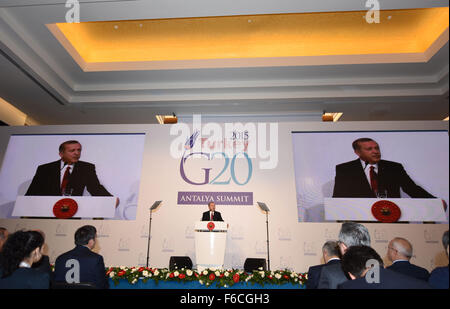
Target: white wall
293, 245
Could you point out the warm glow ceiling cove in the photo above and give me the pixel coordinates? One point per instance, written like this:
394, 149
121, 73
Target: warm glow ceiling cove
411, 35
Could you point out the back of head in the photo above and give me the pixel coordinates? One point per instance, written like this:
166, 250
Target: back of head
445, 241
18, 247
403, 247
355, 260
331, 248
354, 234
84, 234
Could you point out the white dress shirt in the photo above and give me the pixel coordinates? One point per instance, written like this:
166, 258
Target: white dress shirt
63, 170
24, 265
367, 170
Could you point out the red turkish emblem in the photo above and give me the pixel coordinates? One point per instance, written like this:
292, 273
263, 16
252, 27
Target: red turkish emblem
65, 208
210, 226
386, 211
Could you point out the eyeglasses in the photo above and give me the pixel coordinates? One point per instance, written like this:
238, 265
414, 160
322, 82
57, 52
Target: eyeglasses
392, 249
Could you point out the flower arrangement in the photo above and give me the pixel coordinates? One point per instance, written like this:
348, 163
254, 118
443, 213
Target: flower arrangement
207, 277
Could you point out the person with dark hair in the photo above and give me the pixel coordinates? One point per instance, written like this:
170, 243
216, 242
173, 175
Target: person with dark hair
212, 214
81, 265
369, 177
20, 251
331, 256
351, 234
400, 252
67, 176
3, 236
365, 267
439, 276
44, 263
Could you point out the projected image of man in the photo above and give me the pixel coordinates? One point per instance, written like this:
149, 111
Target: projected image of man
67, 176
369, 176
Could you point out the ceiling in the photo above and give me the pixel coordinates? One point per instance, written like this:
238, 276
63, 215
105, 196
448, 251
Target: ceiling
48, 81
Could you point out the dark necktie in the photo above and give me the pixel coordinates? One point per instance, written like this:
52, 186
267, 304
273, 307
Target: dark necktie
373, 180
65, 180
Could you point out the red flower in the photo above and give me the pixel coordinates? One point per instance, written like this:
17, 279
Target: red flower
236, 278
196, 275
270, 277
121, 273
221, 276
286, 277
212, 277
109, 271
141, 269
181, 276
171, 275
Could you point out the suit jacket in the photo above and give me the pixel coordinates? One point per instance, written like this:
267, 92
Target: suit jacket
439, 278
408, 269
92, 267
388, 280
314, 274
351, 181
331, 276
43, 265
47, 180
217, 216
25, 278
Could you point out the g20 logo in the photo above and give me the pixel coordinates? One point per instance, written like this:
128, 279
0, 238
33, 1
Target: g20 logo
220, 179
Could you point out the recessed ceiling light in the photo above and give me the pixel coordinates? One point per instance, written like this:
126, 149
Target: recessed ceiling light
116, 27
445, 119
331, 116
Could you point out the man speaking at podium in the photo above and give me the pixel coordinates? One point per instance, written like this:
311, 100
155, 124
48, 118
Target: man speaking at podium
67, 176
370, 177
212, 214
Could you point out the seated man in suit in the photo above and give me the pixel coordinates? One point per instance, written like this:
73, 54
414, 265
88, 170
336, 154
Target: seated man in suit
3, 236
91, 266
21, 250
67, 176
351, 234
212, 214
399, 253
331, 255
370, 177
440, 275
365, 268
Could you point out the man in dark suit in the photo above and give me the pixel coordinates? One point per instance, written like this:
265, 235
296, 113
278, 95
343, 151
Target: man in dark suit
351, 234
212, 214
331, 256
399, 253
365, 268
370, 177
67, 176
439, 277
89, 266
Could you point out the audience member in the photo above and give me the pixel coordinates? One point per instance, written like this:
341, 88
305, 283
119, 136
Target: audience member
359, 260
91, 265
399, 253
3, 236
439, 276
331, 255
20, 251
351, 234
44, 263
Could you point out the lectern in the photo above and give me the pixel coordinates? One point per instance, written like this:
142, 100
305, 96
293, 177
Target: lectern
210, 244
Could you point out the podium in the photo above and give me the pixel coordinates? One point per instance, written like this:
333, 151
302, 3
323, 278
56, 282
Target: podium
42, 206
210, 243
360, 209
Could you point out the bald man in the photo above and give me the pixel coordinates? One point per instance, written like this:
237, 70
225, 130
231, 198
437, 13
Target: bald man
399, 253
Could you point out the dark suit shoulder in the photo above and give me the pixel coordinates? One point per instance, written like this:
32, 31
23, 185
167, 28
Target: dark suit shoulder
49, 165
349, 165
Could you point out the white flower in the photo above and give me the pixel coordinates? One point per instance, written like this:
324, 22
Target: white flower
212, 269
292, 275
278, 276
217, 273
189, 272
111, 274
226, 274
133, 270
145, 273
296, 279
201, 282
176, 273
122, 267
134, 281
261, 273
260, 268
205, 272
156, 273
